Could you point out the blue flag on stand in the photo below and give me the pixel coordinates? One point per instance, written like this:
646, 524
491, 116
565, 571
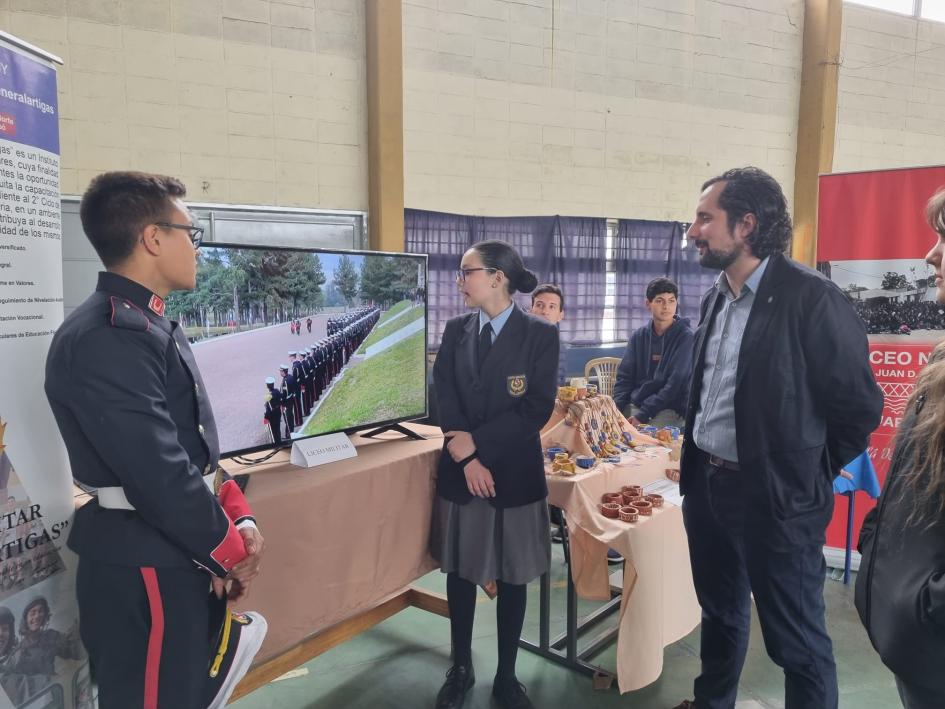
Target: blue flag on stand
864, 477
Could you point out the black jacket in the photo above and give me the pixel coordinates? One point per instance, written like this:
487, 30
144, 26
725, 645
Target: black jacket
806, 401
900, 589
668, 388
504, 407
124, 387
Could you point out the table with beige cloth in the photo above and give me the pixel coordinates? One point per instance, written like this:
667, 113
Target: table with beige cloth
658, 605
346, 537
341, 538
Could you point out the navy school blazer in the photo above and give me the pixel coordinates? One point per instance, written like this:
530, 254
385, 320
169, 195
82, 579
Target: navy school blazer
504, 406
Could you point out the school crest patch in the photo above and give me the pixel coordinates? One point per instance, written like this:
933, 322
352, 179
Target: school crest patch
517, 384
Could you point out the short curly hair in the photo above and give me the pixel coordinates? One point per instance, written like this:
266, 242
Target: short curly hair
751, 190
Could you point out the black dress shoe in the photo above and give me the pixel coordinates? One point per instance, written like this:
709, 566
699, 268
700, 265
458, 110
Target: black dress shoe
459, 679
510, 694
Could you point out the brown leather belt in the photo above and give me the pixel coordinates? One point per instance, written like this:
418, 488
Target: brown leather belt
721, 463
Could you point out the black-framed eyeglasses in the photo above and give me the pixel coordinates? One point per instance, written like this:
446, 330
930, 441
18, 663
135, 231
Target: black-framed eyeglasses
194, 232
463, 273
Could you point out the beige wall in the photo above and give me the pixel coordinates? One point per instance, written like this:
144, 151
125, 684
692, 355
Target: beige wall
891, 110
249, 101
617, 108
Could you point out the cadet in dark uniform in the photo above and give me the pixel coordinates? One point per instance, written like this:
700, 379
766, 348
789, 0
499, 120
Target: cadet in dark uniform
496, 379
130, 403
288, 390
298, 371
308, 363
273, 413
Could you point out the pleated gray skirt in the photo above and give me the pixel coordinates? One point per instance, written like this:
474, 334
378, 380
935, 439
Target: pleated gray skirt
483, 543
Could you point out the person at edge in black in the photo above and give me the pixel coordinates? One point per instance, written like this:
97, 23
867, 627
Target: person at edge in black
167, 536
496, 380
900, 588
782, 397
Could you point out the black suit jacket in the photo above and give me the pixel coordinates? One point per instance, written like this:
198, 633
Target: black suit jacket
805, 401
504, 406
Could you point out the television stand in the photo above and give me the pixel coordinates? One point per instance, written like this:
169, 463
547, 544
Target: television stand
393, 427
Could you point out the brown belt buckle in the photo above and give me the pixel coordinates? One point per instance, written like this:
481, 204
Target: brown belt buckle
723, 464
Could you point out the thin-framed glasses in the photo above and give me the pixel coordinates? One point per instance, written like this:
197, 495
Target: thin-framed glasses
194, 232
463, 273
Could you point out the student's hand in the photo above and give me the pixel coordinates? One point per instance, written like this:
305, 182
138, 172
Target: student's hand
479, 479
845, 474
248, 569
238, 591
461, 444
634, 421
252, 540
218, 585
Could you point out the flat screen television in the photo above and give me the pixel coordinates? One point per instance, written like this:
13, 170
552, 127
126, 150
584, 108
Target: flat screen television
323, 341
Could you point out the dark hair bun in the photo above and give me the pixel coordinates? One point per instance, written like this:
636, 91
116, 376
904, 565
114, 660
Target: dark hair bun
526, 282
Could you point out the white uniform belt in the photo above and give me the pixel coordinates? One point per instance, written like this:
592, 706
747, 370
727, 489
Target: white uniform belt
113, 498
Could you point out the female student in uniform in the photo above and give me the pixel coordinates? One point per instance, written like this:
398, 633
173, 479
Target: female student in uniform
900, 588
496, 379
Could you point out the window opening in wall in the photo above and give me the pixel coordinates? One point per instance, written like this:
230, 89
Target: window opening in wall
903, 7
608, 322
922, 9
932, 10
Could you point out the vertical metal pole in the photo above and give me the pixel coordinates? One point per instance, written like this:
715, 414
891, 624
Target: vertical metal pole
849, 552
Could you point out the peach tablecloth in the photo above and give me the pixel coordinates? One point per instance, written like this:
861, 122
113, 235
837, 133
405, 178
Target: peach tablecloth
340, 538
659, 603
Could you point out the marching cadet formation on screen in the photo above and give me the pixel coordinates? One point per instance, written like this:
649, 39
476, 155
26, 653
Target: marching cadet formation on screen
310, 371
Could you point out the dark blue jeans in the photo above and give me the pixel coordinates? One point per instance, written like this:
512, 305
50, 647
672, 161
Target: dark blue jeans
729, 565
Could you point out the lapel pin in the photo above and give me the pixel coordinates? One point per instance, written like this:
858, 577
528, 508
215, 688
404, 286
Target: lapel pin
770, 298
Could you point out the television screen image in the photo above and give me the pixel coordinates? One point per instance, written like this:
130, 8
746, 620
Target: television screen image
294, 343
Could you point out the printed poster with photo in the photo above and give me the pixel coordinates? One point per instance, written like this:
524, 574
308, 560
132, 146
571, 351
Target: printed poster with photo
872, 238
42, 662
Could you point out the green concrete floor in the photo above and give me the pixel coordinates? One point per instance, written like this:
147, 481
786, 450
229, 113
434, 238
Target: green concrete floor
400, 664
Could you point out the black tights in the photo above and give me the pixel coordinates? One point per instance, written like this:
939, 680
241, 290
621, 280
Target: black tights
510, 617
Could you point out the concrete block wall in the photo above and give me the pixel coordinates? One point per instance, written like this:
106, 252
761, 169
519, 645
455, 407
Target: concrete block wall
891, 98
616, 108
249, 101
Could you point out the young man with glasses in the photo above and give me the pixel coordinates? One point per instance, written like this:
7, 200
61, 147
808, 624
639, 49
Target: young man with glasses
167, 536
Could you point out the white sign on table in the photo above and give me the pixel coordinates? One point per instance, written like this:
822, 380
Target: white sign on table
667, 488
319, 450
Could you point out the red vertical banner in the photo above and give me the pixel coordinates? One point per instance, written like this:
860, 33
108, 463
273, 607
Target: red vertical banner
872, 238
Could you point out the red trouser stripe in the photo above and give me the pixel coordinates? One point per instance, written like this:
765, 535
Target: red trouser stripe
155, 639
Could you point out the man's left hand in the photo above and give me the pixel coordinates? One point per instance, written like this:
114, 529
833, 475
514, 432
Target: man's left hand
246, 570
461, 444
252, 540
634, 421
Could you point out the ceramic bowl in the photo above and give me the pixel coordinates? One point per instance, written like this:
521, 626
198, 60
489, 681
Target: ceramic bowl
610, 509
629, 513
655, 500
644, 507
584, 461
